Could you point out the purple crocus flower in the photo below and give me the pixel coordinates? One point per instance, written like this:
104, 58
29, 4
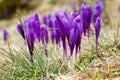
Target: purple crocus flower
55, 33
44, 18
97, 26
33, 22
86, 14
73, 15
30, 39
5, 35
98, 10
44, 37
21, 30
48, 21
44, 34
76, 35
63, 25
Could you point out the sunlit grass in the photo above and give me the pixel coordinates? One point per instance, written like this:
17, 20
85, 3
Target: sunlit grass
18, 65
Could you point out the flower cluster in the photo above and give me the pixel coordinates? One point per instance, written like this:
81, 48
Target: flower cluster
31, 30
64, 28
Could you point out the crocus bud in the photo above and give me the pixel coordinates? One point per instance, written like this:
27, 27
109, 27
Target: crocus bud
63, 25
33, 22
48, 21
44, 34
98, 10
55, 33
21, 30
86, 14
30, 39
76, 35
5, 35
97, 31
73, 15
44, 37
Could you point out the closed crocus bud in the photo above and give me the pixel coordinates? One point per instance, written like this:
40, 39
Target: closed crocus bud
48, 21
30, 39
55, 36
21, 30
73, 15
97, 31
5, 35
55, 33
33, 22
86, 14
44, 34
44, 37
63, 25
44, 18
98, 9
76, 35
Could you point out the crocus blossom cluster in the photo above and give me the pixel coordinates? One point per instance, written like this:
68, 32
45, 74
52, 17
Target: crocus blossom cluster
64, 28
32, 31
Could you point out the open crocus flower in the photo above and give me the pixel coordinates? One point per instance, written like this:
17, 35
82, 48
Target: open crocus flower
63, 25
21, 30
5, 35
86, 14
76, 35
97, 31
33, 23
98, 10
30, 39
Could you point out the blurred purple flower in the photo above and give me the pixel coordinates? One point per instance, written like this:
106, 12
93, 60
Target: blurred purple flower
98, 9
33, 22
119, 8
76, 35
44, 34
21, 30
73, 5
5, 35
86, 14
97, 31
30, 39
